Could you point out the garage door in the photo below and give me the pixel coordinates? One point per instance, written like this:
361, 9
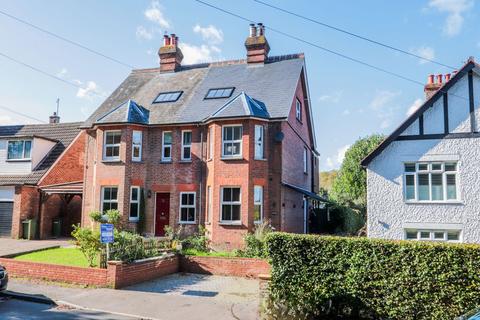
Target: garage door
6, 211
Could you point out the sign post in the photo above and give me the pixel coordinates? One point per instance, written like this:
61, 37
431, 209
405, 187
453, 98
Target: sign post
106, 236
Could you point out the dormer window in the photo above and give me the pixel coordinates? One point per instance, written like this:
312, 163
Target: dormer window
19, 150
219, 93
171, 96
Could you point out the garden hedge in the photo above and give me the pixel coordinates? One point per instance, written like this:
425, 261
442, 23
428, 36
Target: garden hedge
316, 276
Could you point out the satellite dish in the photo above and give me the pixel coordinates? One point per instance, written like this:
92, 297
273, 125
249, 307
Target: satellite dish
279, 136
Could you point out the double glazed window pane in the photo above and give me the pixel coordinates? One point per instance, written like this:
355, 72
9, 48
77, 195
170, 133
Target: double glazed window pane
188, 199
231, 212
113, 138
19, 149
437, 186
423, 187
410, 186
110, 199
451, 186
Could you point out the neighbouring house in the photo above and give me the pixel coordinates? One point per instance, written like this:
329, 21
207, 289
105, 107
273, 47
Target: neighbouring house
41, 177
225, 145
423, 180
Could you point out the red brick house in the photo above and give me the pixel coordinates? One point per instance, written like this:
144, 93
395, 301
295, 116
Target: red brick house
225, 145
41, 176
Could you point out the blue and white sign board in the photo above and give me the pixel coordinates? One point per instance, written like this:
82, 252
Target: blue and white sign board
106, 233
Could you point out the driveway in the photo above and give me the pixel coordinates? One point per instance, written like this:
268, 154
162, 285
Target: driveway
178, 296
10, 247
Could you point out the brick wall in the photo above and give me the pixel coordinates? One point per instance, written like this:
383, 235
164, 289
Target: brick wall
237, 267
26, 204
51, 272
121, 275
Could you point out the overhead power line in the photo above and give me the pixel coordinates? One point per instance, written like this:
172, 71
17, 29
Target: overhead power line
382, 44
66, 40
344, 56
21, 114
73, 84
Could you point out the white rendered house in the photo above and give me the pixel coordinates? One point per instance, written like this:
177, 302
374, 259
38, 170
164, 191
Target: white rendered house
423, 181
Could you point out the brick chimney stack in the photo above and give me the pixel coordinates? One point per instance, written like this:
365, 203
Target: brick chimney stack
257, 45
170, 54
54, 118
434, 83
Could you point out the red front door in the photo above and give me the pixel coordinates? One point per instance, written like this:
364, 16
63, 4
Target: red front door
162, 213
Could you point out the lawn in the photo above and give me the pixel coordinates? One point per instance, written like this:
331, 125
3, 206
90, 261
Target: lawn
63, 256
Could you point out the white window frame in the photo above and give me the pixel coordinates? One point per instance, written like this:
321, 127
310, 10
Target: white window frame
430, 171
23, 158
137, 145
130, 218
210, 142
188, 206
102, 190
258, 203
259, 144
184, 146
305, 160
105, 145
208, 218
298, 109
239, 202
236, 156
167, 159
432, 235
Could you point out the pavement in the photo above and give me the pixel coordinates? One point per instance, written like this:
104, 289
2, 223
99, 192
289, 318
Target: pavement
177, 296
9, 247
12, 309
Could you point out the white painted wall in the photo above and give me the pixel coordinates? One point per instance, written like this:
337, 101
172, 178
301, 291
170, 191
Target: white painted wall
389, 214
433, 119
7, 193
40, 148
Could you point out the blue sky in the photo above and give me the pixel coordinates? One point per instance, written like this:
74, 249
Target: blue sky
349, 100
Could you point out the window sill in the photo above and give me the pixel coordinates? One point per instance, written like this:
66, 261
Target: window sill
260, 159
453, 202
226, 223
18, 160
187, 222
185, 161
133, 220
232, 158
111, 161
166, 161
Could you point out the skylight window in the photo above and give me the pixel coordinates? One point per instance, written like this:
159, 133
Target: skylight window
218, 93
168, 96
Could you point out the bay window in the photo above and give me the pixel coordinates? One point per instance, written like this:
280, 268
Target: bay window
258, 204
111, 145
232, 141
134, 203
259, 133
137, 146
231, 205
431, 181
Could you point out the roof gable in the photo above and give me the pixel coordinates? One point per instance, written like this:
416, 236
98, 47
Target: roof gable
241, 105
418, 116
127, 112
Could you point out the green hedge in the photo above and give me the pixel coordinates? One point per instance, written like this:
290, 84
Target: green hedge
316, 276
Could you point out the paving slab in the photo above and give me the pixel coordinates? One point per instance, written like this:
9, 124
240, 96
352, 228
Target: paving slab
9, 247
178, 296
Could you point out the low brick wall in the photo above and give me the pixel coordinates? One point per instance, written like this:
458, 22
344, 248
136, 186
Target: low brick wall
122, 274
53, 272
237, 267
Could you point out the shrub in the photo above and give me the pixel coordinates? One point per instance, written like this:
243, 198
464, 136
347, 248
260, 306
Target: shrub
319, 277
255, 242
88, 241
127, 247
197, 241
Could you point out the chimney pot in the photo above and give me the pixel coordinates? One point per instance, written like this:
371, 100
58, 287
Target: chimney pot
447, 77
261, 29
173, 39
170, 54
439, 78
257, 45
54, 118
431, 79
166, 40
253, 30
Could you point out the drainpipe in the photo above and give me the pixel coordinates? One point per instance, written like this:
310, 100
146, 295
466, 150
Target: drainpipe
201, 176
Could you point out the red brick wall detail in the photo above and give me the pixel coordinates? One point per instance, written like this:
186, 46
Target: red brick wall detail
237, 267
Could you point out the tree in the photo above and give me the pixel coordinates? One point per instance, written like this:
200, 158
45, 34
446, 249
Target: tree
350, 186
326, 180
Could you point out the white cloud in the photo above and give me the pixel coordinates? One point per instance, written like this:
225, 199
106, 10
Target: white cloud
415, 105
333, 97
329, 163
155, 14
455, 10
195, 54
62, 73
143, 33
89, 91
346, 112
210, 34
382, 99
424, 52
341, 153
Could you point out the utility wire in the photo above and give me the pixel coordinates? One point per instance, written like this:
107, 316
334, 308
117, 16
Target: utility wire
66, 40
291, 36
73, 84
21, 114
354, 34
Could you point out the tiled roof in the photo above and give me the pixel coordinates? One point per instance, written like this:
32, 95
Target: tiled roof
240, 106
128, 111
273, 83
62, 133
